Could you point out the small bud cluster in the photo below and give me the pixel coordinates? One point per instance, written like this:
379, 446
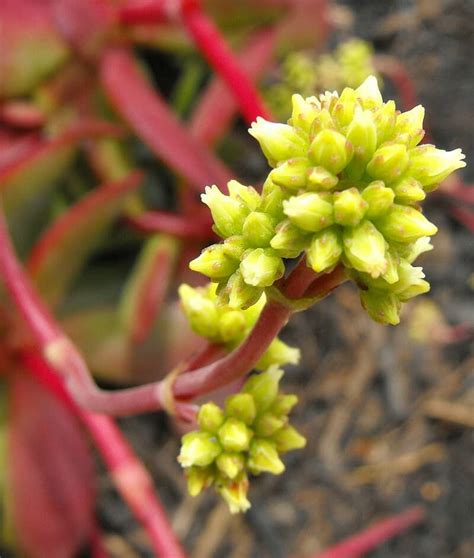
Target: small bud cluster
349, 65
347, 178
219, 323
247, 436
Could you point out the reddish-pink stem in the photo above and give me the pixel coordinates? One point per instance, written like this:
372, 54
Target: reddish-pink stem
372, 537
177, 225
132, 480
97, 546
213, 46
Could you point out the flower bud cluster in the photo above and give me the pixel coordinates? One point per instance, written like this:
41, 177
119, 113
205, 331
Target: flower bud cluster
246, 437
219, 323
348, 175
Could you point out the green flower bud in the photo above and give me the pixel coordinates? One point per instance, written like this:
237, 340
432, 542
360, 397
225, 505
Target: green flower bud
383, 307
411, 282
279, 142
408, 190
344, 109
232, 326
234, 247
272, 199
267, 424
200, 311
379, 199
409, 126
258, 229
283, 404
214, 263
318, 178
430, 166
240, 294
244, 194
323, 121
349, 207
288, 439
278, 353
362, 133
261, 268
198, 448
234, 493
325, 250
289, 241
420, 246
198, 478
228, 214
263, 458
234, 435
390, 275
405, 224
241, 406
291, 174
210, 417
384, 119
369, 94
388, 163
310, 211
364, 247
304, 111
230, 464
264, 387
331, 150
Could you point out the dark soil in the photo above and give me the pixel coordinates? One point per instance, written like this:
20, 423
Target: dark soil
386, 415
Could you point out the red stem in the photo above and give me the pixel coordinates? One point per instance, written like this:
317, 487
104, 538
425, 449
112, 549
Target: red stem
372, 537
213, 46
129, 475
174, 224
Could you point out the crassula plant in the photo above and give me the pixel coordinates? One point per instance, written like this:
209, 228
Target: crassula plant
340, 203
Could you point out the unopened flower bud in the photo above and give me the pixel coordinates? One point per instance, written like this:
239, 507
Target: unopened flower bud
278, 353
379, 199
318, 178
369, 93
289, 240
264, 387
330, 150
309, 211
411, 282
258, 229
234, 435
210, 417
405, 224
288, 439
198, 478
390, 275
232, 326
291, 174
388, 163
409, 126
230, 464
245, 194
325, 249
283, 404
349, 207
241, 406
323, 121
200, 311
408, 190
304, 111
263, 458
240, 294
279, 142
234, 493
364, 247
268, 423
228, 213
272, 198
345, 107
382, 306
384, 119
362, 134
198, 448
261, 268
214, 262
430, 165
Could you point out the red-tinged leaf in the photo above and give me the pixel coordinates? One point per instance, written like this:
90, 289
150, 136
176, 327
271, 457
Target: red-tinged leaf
15, 146
147, 287
217, 106
84, 23
61, 252
51, 473
23, 115
30, 46
27, 181
150, 117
